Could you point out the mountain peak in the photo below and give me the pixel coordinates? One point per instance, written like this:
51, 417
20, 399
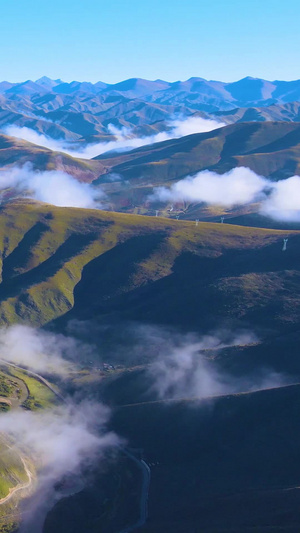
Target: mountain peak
195, 78
44, 81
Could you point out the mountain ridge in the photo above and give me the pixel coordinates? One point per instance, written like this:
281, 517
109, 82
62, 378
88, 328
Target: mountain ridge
245, 92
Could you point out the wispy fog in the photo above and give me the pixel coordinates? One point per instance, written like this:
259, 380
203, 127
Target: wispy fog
41, 351
186, 366
124, 139
64, 440
61, 442
51, 186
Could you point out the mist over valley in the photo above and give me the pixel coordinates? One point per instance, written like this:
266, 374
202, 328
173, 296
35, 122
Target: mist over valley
149, 306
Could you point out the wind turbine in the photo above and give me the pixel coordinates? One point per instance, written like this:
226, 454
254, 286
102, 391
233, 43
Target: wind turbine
284, 244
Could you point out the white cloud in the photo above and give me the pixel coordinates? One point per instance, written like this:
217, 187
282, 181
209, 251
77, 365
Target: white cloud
182, 127
284, 201
236, 187
240, 186
53, 187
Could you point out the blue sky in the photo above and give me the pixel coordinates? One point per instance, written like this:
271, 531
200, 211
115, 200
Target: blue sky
112, 40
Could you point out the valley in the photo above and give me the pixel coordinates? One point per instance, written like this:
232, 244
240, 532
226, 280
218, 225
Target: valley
149, 267
230, 277
149, 366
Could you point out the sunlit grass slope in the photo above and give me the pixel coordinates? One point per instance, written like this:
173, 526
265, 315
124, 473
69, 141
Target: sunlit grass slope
225, 465
16, 152
82, 263
268, 148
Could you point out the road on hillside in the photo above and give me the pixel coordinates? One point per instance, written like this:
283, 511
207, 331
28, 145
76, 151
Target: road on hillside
19, 486
17, 399
35, 375
142, 465
16, 403
146, 473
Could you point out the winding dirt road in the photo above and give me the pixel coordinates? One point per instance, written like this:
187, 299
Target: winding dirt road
20, 486
15, 404
36, 376
146, 473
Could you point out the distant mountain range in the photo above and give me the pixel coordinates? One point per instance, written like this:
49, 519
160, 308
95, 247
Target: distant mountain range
138, 289
259, 129
270, 149
83, 110
196, 93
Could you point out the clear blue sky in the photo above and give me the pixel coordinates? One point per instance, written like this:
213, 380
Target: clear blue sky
111, 40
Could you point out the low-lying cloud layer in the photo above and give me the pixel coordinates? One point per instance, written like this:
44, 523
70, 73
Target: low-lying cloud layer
240, 186
124, 139
51, 186
188, 126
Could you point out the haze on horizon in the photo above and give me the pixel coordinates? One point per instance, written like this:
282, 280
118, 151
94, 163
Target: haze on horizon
93, 41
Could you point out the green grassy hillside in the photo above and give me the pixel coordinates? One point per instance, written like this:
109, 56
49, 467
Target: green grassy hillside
225, 465
106, 269
243, 144
84, 263
15, 151
270, 149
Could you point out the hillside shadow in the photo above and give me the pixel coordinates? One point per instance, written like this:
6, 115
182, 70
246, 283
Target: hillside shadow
73, 246
188, 297
19, 256
106, 276
290, 140
236, 142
